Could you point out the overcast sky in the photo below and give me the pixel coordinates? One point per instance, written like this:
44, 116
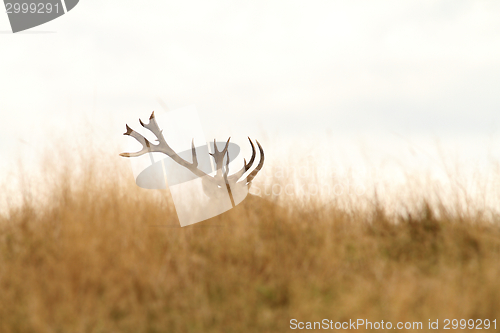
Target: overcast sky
399, 70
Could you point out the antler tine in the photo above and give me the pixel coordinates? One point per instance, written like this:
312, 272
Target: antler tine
219, 155
226, 146
193, 153
215, 149
227, 163
152, 125
253, 153
223, 151
146, 145
246, 166
254, 173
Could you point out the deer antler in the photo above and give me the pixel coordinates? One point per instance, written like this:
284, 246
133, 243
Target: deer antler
246, 167
222, 171
219, 157
161, 147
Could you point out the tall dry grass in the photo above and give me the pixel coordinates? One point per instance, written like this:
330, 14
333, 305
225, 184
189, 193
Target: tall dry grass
99, 254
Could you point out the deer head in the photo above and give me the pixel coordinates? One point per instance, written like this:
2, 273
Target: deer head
214, 186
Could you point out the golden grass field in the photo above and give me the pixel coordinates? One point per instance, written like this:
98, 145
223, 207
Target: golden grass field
102, 255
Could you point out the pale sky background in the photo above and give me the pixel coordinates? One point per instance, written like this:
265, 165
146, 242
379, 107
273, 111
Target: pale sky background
390, 77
